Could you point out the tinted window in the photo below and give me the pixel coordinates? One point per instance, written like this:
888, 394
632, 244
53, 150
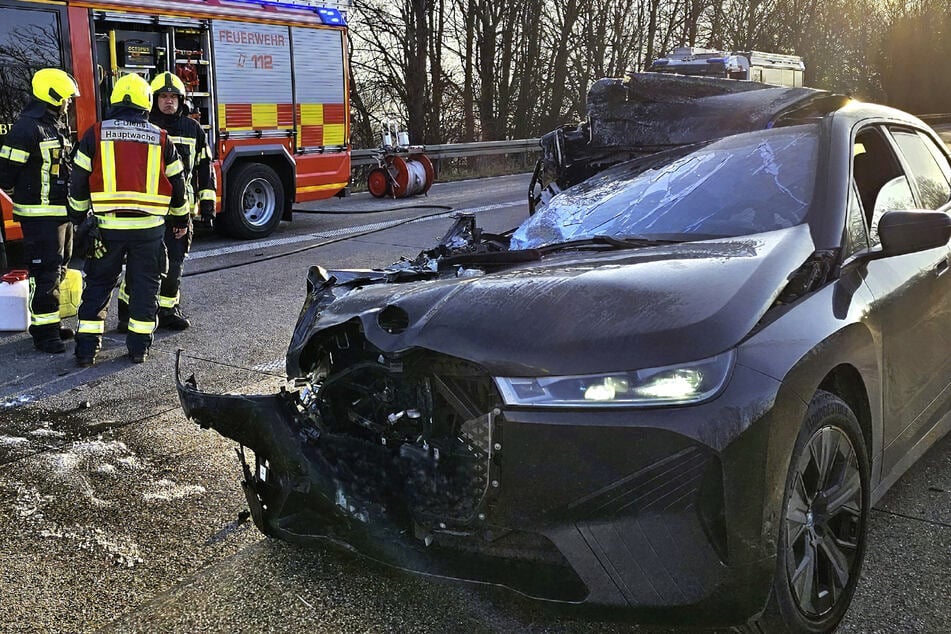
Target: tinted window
895, 195
740, 185
880, 180
29, 41
931, 180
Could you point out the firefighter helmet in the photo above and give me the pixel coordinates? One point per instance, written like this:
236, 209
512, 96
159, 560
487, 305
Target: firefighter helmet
132, 90
53, 86
168, 82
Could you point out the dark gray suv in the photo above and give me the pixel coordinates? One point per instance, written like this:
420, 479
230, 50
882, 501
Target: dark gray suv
676, 389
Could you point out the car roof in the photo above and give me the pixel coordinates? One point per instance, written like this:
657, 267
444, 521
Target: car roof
855, 111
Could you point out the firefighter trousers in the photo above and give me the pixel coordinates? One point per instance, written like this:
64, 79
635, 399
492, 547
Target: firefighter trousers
169, 294
48, 245
170, 291
143, 252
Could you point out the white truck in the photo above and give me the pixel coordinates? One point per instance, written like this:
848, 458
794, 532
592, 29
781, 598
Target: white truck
767, 68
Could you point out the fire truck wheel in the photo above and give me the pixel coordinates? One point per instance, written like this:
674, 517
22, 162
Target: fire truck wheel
255, 201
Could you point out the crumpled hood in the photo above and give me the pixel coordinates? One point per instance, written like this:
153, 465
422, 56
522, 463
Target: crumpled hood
582, 312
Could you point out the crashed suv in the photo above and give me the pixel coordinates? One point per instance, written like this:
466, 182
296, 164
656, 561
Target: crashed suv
677, 388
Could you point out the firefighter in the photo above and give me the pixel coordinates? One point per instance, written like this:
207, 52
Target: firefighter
168, 112
34, 169
127, 172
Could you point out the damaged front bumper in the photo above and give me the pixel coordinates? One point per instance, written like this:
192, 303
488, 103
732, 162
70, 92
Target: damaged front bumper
630, 514
300, 489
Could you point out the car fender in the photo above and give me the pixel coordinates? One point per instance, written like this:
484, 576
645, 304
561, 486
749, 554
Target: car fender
810, 339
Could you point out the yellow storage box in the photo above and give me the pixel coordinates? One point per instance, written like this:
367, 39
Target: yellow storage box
70, 293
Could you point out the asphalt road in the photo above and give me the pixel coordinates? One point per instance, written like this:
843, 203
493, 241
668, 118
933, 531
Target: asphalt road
118, 514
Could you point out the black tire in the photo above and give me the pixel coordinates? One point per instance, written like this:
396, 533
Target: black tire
254, 202
822, 537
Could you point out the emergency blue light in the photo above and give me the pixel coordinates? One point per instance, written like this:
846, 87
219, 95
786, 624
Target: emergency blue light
716, 60
331, 17
660, 62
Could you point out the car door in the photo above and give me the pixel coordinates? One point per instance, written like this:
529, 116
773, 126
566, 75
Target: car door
894, 169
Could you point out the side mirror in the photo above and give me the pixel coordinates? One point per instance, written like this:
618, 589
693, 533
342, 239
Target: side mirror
903, 232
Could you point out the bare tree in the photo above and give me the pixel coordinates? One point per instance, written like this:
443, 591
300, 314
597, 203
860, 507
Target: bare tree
487, 69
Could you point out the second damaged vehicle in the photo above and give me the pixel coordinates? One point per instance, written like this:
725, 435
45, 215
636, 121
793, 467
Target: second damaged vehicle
677, 388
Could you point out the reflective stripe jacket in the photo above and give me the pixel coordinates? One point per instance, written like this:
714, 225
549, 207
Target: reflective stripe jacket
34, 163
192, 146
128, 172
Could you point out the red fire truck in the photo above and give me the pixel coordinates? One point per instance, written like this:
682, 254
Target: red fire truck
267, 79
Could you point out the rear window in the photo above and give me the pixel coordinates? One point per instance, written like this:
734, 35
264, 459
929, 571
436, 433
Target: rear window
740, 185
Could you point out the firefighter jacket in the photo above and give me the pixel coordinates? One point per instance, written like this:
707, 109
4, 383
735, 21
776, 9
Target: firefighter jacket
128, 172
192, 146
34, 163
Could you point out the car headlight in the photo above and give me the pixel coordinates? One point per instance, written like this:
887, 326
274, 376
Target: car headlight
681, 384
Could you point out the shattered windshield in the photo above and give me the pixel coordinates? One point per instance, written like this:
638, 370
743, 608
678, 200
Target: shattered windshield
740, 185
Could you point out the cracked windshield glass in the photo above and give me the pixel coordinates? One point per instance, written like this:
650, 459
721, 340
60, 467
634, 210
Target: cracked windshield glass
746, 184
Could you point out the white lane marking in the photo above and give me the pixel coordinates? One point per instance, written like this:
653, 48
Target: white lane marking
271, 366
323, 235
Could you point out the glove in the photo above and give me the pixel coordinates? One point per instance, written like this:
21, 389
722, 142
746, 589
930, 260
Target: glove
86, 227
87, 237
207, 208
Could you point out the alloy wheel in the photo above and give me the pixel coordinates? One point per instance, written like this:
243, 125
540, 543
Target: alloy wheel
823, 521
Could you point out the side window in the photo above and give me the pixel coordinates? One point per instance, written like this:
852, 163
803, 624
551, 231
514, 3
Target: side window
931, 179
880, 180
29, 40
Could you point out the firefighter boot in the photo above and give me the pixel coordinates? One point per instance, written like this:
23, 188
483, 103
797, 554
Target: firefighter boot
172, 319
46, 338
123, 314
87, 346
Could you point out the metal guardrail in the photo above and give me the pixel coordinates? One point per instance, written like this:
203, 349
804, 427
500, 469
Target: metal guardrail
516, 146
456, 150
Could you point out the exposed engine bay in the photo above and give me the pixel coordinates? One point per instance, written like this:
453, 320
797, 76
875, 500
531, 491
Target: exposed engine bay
408, 437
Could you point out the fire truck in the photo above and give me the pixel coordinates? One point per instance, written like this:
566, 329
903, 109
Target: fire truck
267, 80
768, 68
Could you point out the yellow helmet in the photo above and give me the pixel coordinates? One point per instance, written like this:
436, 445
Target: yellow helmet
168, 82
53, 86
132, 90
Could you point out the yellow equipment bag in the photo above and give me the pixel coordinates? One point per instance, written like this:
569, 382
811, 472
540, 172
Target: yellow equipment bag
70, 293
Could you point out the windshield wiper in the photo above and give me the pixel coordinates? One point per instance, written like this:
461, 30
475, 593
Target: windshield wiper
627, 242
